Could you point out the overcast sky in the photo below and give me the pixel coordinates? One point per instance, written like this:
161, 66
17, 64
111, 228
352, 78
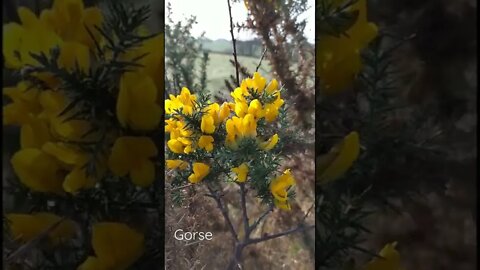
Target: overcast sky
212, 17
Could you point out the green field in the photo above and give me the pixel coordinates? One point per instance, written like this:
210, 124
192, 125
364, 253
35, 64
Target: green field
219, 68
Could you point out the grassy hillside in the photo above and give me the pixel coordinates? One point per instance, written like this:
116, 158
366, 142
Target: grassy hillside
219, 68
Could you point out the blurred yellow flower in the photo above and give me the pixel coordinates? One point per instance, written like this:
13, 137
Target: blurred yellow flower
184, 101
116, 246
34, 133
70, 20
272, 109
224, 112
137, 105
241, 172
131, 155
255, 109
53, 103
176, 164
72, 54
74, 160
279, 188
38, 171
32, 36
241, 108
208, 124
200, 170
334, 164
180, 145
338, 59
206, 142
270, 144
24, 104
390, 259
27, 227
272, 87
256, 84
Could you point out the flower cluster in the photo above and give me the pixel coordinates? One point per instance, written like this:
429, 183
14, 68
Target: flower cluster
87, 111
202, 133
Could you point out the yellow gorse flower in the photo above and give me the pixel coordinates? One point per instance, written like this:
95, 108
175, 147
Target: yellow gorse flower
74, 160
137, 106
116, 246
227, 125
279, 188
38, 171
206, 142
390, 259
341, 157
69, 19
241, 172
26, 227
176, 164
185, 101
338, 59
131, 156
200, 170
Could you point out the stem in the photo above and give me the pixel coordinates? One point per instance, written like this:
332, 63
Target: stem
300, 228
224, 211
261, 59
237, 257
233, 42
264, 215
246, 225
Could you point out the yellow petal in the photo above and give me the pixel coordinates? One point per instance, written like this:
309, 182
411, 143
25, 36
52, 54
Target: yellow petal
206, 142
131, 154
270, 144
284, 205
27, 17
143, 174
176, 163
116, 244
390, 259
13, 34
77, 179
37, 170
28, 227
34, 134
200, 170
241, 172
136, 104
72, 54
272, 86
339, 159
65, 153
208, 124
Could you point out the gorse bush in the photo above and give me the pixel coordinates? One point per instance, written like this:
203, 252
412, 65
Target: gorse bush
234, 141
89, 108
237, 142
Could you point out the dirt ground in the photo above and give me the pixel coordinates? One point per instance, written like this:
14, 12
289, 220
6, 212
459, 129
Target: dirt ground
199, 213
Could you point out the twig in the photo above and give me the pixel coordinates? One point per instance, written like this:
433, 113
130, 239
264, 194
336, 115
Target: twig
32, 243
255, 224
233, 42
261, 59
181, 187
224, 211
244, 210
273, 236
308, 212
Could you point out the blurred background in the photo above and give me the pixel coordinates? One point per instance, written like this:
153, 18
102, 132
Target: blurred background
437, 229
